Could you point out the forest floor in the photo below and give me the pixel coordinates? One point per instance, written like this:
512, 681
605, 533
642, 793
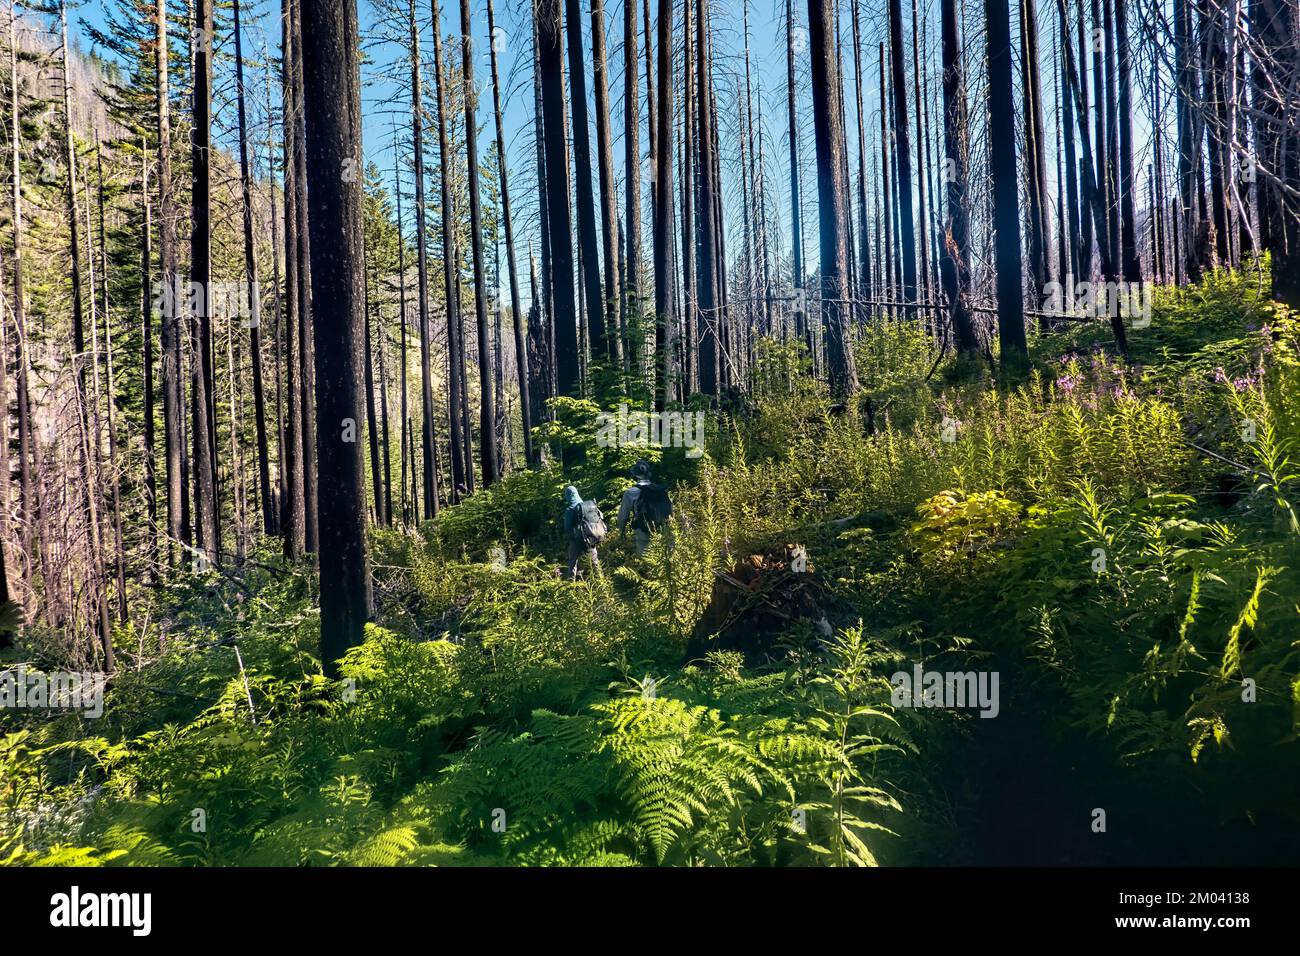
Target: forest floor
1114, 540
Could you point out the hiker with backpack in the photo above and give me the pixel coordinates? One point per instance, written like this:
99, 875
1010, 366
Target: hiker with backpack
645, 504
584, 527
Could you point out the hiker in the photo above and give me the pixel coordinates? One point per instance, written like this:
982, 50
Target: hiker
645, 504
584, 527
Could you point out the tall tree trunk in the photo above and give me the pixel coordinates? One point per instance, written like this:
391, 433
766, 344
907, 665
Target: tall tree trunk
707, 283
689, 190
254, 293
487, 400
207, 526
1006, 200
796, 215
652, 120
1215, 109
719, 245
1080, 78
1189, 149
1158, 186
332, 102
864, 246
749, 196
665, 319
178, 521
559, 213
5, 467
760, 183
110, 386
98, 596
892, 273
632, 183
955, 263
146, 371
902, 144
1107, 128
605, 161
306, 337
540, 325
922, 201
403, 412
25, 439
427, 414
462, 462
745, 141
832, 197
277, 305
585, 195
96, 433
372, 417
383, 416
1097, 44
516, 310
1071, 266
1132, 265
1097, 208
934, 204
1035, 154
293, 507
1277, 132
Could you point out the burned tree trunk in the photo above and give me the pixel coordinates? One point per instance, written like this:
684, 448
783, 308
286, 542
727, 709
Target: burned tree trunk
1189, 146
707, 279
903, 194
202, 405
1277, 125
332, 103
254, 296
85, 442
1035, 153
462, 462
1131, 264
306, 337
427, 414
1006, 200
559, 215
487, 399
293, 507
632, 304
796, 214
605, 162
832, 197
955, 261
665, 323
516, 311
585, 195
178, 522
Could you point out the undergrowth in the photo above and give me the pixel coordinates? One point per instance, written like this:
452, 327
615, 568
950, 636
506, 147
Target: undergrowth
1118, 538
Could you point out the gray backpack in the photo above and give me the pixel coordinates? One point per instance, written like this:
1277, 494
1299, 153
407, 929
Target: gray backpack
589, 527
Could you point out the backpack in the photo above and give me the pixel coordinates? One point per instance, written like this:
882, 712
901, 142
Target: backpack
652, 507
589, 527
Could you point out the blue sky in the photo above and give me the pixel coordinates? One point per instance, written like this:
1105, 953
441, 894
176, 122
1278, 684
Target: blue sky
386, 100
386, 96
